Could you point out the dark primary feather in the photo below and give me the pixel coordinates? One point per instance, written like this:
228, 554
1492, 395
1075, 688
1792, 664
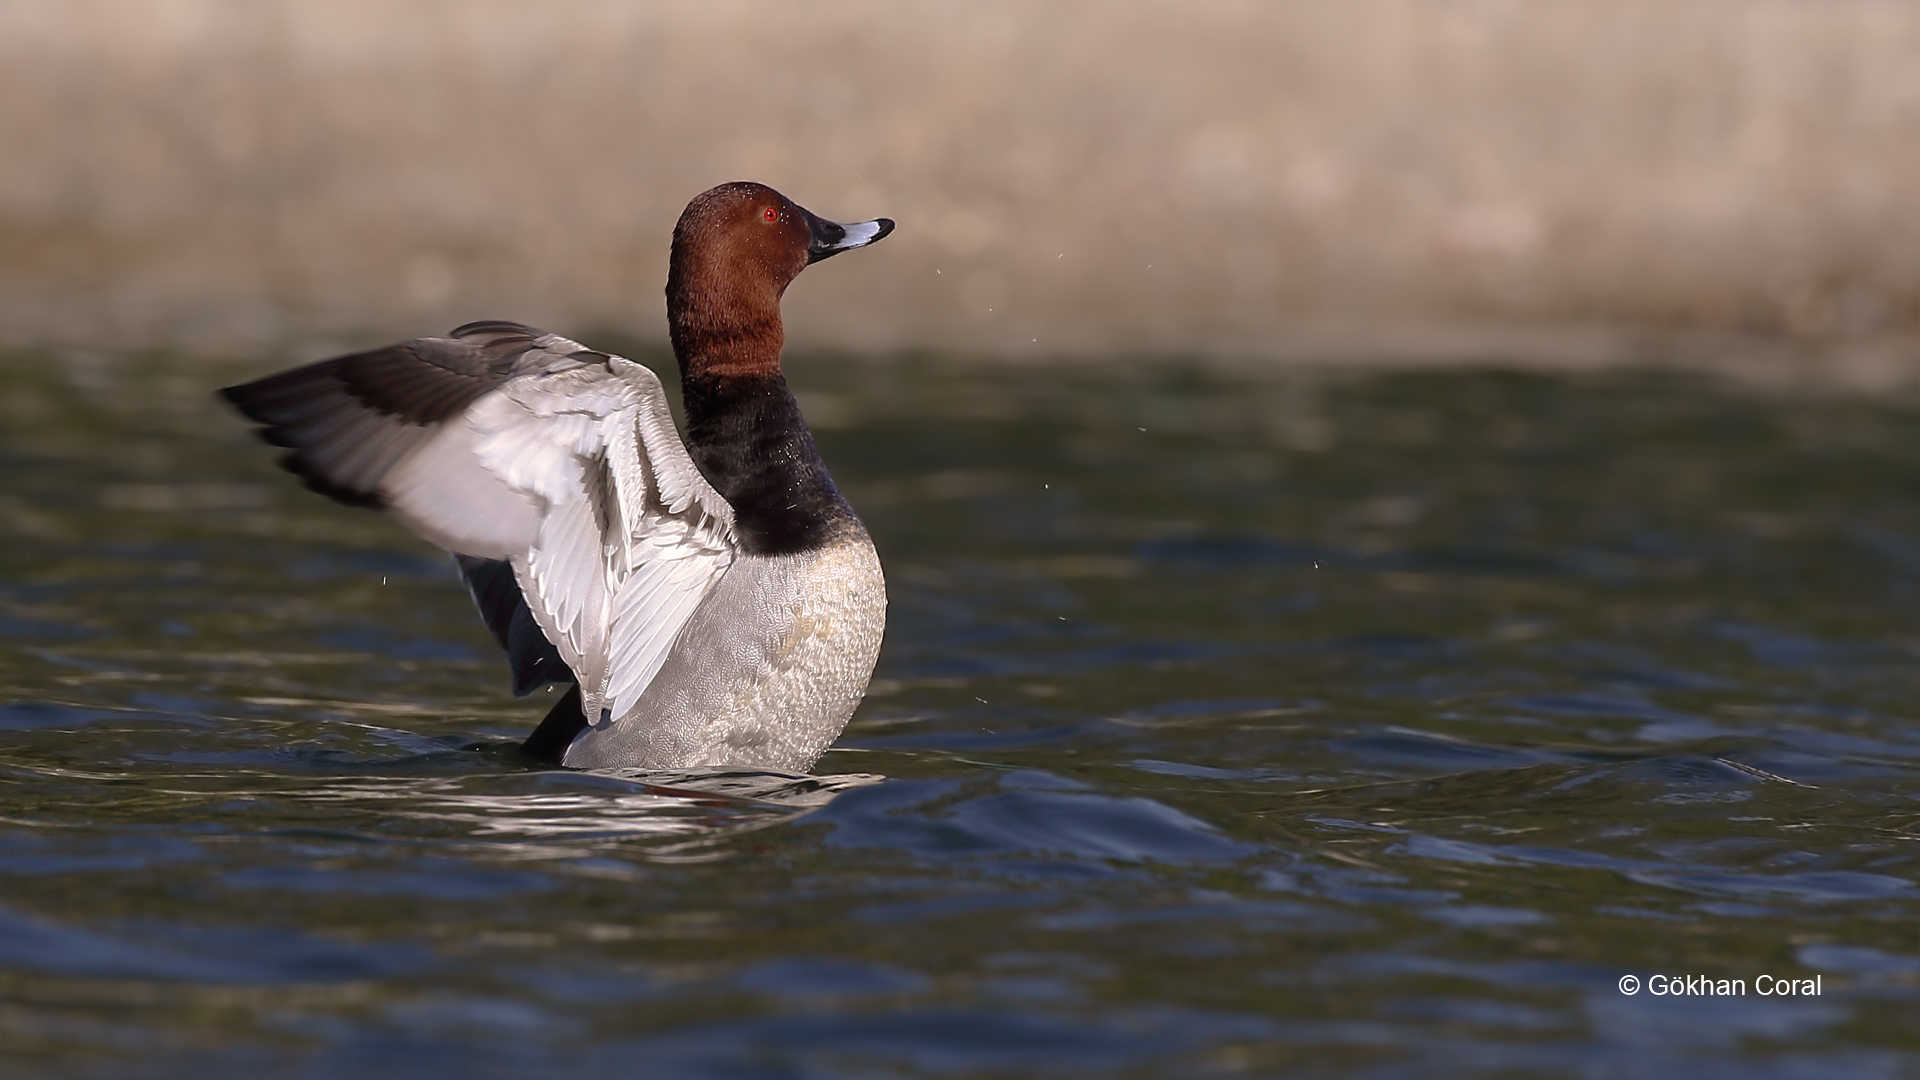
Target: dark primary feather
350, 419
532, 658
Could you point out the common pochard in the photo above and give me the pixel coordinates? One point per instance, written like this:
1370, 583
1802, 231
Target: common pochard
712, 602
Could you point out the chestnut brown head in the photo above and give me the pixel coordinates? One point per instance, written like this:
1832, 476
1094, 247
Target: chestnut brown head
736, 249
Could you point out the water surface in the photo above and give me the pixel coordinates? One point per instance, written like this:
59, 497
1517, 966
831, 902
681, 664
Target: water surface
1230, 723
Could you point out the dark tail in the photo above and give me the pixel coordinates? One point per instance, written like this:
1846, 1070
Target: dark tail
564, 721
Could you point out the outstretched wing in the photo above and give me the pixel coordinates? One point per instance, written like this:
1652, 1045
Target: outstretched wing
503, 443
630, 535
350, 419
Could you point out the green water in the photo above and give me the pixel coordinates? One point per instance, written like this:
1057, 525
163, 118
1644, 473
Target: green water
1230, 724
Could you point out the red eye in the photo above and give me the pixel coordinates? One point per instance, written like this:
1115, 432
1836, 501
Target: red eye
770, 214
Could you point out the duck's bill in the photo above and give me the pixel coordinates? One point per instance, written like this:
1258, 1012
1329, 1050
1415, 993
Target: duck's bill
830, 238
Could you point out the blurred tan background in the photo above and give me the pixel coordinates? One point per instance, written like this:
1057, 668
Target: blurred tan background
1183, 176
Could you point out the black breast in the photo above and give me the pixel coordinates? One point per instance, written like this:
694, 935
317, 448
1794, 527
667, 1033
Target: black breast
747, 437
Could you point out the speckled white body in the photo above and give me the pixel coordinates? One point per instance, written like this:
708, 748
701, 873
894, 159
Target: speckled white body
765, 674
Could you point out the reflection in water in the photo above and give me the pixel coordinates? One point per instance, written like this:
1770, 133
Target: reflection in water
684, 804
1209, 748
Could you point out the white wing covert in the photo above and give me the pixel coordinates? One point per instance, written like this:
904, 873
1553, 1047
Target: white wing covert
630, 536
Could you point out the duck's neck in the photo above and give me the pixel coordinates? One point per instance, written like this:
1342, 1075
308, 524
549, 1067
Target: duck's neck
748, 439
721, 324
744, 428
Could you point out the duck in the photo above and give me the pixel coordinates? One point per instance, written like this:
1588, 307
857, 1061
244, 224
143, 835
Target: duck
707, 601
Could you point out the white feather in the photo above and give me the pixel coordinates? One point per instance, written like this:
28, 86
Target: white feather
442, 492
578, 477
